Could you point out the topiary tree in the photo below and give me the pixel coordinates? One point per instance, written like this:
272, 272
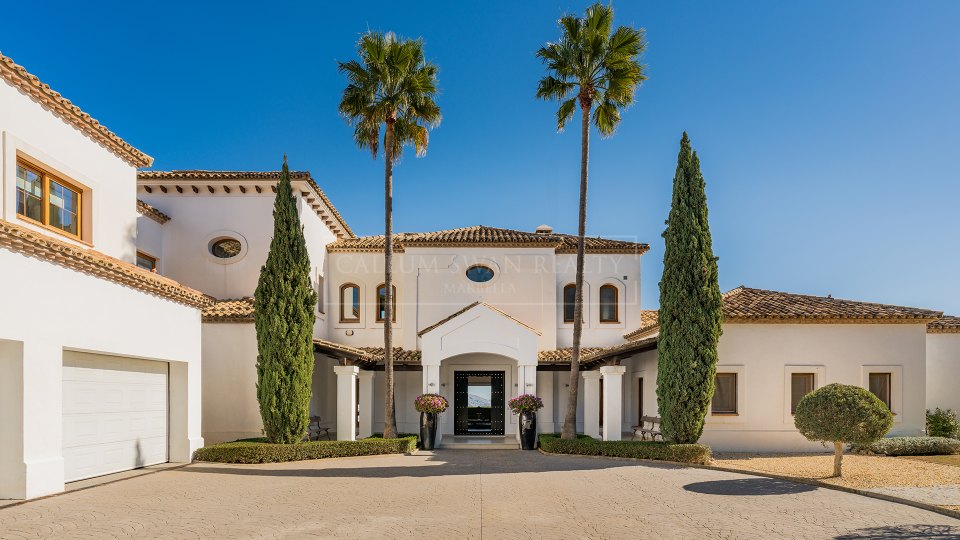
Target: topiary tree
285, 301
943, 423
690, 307
841, 413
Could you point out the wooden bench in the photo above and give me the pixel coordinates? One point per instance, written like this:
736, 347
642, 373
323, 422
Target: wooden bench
649, 425
314, 431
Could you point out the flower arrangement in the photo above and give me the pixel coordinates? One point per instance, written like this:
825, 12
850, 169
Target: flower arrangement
430, 403
525, 403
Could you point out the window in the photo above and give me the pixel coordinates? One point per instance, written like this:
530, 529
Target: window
608, 304
320, 291
349, 303
146, 261
479, 273
48, 200
725, 394
801, 384
226, 248
569, 302
880, 385
382, 302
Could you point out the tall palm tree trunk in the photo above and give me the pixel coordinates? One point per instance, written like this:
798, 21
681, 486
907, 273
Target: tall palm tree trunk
569, 430
390, 412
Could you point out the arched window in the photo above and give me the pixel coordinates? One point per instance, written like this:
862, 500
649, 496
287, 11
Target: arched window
349, 303
608, 304
569, 302
382, 302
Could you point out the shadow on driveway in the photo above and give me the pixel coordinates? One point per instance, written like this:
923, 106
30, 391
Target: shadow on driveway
900, 532
748, 486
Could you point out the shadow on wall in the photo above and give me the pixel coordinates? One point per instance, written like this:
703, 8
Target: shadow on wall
138, 460
934, 532
749, 486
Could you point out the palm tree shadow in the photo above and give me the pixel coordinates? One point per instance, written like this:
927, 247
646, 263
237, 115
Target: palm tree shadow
901, 532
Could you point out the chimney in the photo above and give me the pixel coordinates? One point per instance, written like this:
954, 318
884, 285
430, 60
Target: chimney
544, 229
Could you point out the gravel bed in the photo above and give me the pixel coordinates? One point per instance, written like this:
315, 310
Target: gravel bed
858, 471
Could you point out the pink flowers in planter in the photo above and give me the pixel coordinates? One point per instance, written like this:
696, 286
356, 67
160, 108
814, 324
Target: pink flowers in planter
525, 403
430, 403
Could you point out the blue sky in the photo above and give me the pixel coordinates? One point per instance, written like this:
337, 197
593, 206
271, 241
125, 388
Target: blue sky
827, 131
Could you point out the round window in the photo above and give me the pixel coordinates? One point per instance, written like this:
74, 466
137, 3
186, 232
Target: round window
226, 248
479, 273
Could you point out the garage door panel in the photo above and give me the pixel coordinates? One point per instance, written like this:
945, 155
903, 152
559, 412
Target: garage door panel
114, 414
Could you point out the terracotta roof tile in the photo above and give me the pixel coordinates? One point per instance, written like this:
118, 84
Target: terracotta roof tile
562, 356
366, 355
649, 321
272, 177
25, 241
237, 310
744, 304
30, 85
947, 324
481, 235
149, 211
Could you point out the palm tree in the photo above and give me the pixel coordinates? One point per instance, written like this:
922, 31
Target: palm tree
391, 86
589, 65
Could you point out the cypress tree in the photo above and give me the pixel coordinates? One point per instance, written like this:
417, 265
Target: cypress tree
690, 307
285, 301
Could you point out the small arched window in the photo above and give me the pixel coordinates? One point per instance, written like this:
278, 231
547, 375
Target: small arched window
608, 304
349, 303
382, 302
569, 302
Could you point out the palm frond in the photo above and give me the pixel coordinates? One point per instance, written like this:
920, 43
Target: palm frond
606, 117
551, 87
565, 112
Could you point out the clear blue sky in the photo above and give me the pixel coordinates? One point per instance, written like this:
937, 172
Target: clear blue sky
827, 131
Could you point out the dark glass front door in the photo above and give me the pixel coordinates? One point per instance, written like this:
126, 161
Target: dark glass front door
478, 403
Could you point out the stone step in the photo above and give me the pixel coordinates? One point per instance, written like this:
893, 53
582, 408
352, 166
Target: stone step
449, 442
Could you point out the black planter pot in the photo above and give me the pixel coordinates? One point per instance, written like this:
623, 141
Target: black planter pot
428, 430
528, 430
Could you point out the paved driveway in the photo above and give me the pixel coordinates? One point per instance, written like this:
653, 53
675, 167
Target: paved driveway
467, 494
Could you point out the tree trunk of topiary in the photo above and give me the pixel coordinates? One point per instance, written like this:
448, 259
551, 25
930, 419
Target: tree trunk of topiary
690, 307
837, 458
390, 409
569, 430
285, 301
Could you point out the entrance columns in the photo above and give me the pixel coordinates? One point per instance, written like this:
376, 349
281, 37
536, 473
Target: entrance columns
591, 403
346, 402
366, 403
612, 401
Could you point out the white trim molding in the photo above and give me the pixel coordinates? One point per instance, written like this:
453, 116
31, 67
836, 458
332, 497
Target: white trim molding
896, 386
819, 380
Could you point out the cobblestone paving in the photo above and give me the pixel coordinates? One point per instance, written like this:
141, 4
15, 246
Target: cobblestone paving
464, 494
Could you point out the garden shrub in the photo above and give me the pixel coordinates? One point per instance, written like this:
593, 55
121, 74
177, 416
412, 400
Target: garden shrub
943, 423
910, 446
658, 450
842, 413
260, 451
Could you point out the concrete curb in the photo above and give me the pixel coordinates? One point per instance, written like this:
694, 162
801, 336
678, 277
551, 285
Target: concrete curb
808, 481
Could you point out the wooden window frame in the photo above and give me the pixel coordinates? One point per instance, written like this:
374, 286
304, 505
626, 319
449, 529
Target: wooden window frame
889, 384
616, 303
813, 386
736, 395
146, 255
563, 302
376, 302
343, 304
46, 177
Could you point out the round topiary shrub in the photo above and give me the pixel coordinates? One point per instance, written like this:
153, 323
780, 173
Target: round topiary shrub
841, 413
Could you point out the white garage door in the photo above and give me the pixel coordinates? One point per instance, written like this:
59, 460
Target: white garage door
114, 414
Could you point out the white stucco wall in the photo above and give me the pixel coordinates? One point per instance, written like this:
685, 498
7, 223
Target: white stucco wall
764, 355
943, 371
622, 271
57, 310
150, 240
30, 131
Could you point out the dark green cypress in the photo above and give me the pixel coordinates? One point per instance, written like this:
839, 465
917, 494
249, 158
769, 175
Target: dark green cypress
285, 301
690, 307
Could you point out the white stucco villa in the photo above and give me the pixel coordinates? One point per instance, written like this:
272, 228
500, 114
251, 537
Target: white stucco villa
127, 336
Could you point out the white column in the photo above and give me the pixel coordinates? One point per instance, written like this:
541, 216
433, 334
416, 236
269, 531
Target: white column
346, 402
42, 418
612, 401
366, 403
591, 403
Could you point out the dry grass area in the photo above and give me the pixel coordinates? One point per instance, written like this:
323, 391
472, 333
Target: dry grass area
943, 460
858, 471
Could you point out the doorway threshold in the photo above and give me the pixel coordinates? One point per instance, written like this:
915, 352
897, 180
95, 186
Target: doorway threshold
479, 442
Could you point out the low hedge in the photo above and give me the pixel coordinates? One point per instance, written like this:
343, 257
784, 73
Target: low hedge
261, 451
910, 446
658, 450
